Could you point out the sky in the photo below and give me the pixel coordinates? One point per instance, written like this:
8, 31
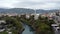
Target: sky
33, 4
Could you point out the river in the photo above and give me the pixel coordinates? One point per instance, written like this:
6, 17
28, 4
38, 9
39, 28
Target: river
27, 29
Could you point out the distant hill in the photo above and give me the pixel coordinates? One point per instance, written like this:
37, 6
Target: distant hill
24, 10
46, 11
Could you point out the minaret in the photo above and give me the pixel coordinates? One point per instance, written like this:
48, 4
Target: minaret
35, 15
35, 12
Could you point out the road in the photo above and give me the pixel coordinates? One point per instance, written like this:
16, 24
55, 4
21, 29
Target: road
54, 28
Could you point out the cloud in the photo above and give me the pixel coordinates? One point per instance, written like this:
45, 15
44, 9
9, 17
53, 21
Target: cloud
33, 4
7, 3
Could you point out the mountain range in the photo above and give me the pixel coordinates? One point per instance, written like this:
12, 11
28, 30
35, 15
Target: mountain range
25, 10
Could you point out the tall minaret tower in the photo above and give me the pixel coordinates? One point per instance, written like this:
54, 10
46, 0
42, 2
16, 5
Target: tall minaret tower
35, 11
35, 14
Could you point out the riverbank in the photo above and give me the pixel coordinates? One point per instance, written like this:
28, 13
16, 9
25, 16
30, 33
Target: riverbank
27, 29
22, 25
40, 26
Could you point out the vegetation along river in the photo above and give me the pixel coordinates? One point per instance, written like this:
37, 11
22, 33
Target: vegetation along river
27, 29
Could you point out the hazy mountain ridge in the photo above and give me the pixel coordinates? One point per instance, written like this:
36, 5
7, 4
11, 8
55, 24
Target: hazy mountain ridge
24, 10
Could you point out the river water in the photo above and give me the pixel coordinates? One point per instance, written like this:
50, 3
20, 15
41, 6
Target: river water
27, 29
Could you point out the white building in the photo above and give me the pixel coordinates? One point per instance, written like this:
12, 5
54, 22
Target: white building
57, 18
1, 26
51, 15
36, 16
55, 27
12, 14
1, 30
9, 32
27, 16
2, 21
